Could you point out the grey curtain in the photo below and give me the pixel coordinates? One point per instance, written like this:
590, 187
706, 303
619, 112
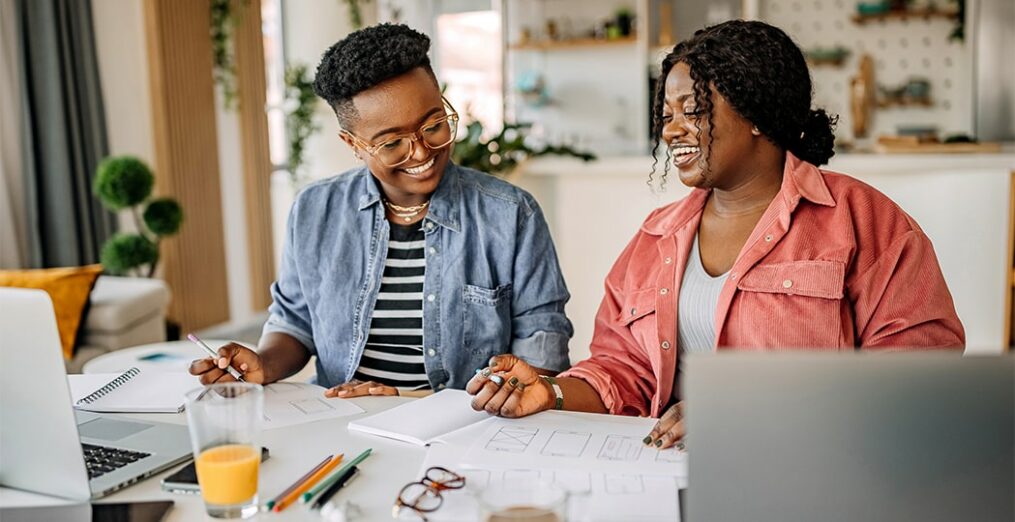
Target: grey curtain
63, 132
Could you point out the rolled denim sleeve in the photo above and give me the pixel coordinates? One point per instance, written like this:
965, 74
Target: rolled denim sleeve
288, 312
541, 330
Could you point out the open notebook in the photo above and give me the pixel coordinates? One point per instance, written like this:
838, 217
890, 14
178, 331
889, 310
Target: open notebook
424, 420
132, 391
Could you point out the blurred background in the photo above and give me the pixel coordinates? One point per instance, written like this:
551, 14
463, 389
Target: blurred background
167, 139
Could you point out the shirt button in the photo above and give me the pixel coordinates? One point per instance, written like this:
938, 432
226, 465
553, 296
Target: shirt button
668, 260
666, 345
787, 284
664, 291
431, 298
768, 237
633, 311
429, 225
433, 251
733, 275
431, 352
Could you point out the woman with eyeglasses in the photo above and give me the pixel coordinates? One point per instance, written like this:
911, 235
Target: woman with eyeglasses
410, 272
768, 252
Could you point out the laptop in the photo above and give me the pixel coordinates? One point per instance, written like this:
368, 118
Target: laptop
845, 437
45, 445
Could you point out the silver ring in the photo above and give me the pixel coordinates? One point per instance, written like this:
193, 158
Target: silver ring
497, 379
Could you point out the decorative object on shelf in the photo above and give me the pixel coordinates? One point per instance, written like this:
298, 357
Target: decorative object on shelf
300, 102
355, 13
223, 24
827, 56
915, 92
862, 96
125, 182
665, 24
502, 154
624, 20
532, 89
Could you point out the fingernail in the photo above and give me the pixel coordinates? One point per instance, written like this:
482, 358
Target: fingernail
647, 440
486, 372
513, 381
659, 442
493, 361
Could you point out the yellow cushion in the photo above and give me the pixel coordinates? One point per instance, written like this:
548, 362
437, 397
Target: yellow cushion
67, 287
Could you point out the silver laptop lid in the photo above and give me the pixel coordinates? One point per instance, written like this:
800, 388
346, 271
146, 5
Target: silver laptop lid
39, 434
847, 437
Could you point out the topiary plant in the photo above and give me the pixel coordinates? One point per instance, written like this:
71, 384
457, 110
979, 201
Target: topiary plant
125, 182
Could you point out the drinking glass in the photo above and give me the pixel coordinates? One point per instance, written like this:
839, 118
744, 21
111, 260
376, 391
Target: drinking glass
225, 421
523, 501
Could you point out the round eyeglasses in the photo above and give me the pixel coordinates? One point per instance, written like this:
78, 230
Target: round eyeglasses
435, 134
424, 496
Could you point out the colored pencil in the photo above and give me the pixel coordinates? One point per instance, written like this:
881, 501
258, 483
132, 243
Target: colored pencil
294, 485
334, 476
309, 483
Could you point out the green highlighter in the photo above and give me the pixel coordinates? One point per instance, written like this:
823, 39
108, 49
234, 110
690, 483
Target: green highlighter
335, 475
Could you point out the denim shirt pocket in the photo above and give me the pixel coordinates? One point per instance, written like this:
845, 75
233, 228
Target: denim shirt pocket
487, 325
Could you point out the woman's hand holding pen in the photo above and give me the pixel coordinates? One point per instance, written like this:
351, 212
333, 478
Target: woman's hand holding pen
243, 359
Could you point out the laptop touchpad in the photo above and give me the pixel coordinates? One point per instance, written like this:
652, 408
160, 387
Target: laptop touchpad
109, 429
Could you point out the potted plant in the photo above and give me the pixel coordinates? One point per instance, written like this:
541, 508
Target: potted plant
125, 183
503, 154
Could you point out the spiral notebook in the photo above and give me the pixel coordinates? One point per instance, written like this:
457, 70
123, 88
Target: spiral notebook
132, 391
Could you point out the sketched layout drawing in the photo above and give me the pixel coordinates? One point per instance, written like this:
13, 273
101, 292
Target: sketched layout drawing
624, 484
512, 440
619, 447
566, 444
669, 455
311, 406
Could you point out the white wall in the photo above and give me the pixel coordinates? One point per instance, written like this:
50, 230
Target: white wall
123, 69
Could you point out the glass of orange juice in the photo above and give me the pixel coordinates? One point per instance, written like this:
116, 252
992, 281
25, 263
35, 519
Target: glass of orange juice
225, 421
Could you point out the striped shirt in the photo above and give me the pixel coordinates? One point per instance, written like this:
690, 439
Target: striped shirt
394, 351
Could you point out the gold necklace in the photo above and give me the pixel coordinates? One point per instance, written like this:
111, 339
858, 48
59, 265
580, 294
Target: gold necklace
406, 213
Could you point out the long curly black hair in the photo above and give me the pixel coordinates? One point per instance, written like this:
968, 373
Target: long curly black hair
763, 75
366, 58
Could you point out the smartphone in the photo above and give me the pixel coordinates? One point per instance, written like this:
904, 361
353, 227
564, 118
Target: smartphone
117, 512
185, 479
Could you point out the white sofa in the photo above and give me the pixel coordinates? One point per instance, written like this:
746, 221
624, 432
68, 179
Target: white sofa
122, 312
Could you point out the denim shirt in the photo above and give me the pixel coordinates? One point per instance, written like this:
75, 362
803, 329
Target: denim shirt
492, 286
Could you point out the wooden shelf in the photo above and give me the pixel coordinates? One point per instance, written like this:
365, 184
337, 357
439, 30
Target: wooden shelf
550, 45
906, 102
924, 14
827, 62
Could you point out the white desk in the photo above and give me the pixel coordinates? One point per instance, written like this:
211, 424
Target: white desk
294, 450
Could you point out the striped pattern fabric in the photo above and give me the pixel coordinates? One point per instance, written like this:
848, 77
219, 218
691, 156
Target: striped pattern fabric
699, 297
394, 351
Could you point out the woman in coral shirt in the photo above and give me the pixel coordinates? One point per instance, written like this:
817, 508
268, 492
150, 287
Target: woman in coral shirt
768, 252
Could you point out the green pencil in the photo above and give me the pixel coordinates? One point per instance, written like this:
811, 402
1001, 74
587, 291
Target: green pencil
328, 481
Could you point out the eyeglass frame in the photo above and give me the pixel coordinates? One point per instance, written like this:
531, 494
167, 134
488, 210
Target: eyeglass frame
412, 136
458, 482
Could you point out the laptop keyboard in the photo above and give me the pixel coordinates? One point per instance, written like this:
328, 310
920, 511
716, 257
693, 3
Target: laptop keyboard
101, 460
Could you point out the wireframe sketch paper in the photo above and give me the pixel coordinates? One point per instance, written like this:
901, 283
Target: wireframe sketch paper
573, 441
594, 496
424, 420
132, 391
291, 403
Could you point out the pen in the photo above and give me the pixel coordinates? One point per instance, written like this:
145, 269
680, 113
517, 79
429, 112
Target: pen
339, 484
214, 355
291, 497
299, 481
326, 483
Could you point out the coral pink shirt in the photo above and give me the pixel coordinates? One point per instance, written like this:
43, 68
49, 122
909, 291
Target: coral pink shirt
832, 264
